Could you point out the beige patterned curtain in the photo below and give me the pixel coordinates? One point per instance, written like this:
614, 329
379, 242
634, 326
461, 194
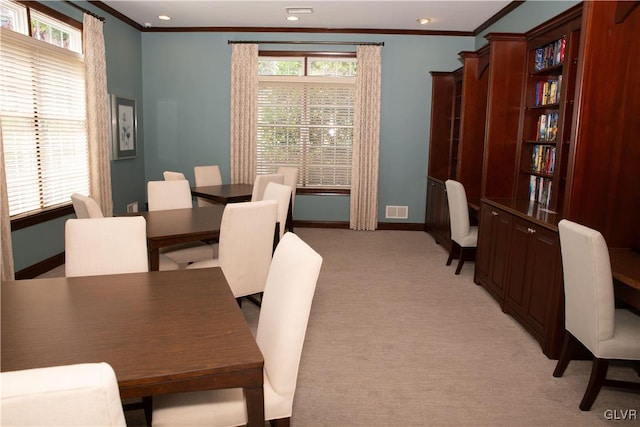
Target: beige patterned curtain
244, 112
97, 114
366, 140
6, 263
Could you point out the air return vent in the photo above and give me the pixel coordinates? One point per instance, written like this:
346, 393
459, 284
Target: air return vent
397, 212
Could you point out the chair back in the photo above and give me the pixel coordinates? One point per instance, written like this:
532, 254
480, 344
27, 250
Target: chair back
105, 246
588, 284
246, 245
73, 395
173, 176
85, 207
458, 210
260, 184
286, 304
282, 194
163, 195
207, 175
291, 179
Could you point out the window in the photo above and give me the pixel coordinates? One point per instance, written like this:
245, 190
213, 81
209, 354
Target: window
43, 113
305, 118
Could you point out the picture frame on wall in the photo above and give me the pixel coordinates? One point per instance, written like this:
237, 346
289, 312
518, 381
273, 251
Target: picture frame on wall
124, 127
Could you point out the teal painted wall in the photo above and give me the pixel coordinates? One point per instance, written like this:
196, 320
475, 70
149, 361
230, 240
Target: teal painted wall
181, 83
187, 120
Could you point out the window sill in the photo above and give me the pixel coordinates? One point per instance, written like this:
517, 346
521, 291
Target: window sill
324, 191
27, 220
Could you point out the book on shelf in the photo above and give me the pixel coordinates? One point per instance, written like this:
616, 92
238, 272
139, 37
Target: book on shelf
548, 92
550, 55
540, 190
547, 127
543, 159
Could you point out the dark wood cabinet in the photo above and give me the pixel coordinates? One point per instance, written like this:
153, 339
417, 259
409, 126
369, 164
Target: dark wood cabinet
493, 250
518, 263
437, 213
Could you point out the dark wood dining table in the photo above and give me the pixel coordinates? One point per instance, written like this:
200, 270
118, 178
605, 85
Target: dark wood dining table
162, 332
226, 193
174, 226
625, 269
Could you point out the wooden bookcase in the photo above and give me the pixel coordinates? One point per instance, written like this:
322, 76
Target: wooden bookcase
458, 113
547, 110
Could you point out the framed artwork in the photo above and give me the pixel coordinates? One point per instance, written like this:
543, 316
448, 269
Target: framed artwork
124, 127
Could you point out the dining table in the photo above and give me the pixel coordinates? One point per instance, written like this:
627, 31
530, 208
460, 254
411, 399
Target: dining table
175, 226
162, 332
225, 193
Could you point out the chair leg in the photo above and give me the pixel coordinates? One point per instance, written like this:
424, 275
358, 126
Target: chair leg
568, 347
453, 252
598, 374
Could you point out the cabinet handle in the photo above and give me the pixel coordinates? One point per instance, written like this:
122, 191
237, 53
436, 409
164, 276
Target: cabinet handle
494, 213
531, 230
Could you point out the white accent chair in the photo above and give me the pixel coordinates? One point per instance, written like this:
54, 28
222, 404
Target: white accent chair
173, 176
205, 176
72, 395
464, 236
282, 194
291, 179
590, 314
164, 195
245, 245
85, 207
282, 326
260, 184
112, 245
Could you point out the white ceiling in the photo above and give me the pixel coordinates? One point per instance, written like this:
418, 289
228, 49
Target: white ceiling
452, 15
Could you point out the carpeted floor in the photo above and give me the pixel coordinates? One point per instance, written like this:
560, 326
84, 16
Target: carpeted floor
396, 339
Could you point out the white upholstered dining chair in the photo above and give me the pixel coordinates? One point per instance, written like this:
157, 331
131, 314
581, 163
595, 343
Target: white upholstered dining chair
282, 326
464, 236
205, 176
164, 195
85, 206
282, 194
260, 184
173, 176
112, 245
590, 314
245, 245
72, 395
291, 179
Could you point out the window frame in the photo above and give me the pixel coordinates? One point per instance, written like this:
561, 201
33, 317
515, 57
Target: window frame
26, 220
312, 54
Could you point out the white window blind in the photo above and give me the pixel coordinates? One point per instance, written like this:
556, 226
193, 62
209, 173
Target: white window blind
43, 113
307, 123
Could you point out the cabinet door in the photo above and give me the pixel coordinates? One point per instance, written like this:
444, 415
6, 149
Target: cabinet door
437, 215
493, 250
532, 274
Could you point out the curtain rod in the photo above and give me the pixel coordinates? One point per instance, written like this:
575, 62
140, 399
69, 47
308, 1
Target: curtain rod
306, 42
88, 12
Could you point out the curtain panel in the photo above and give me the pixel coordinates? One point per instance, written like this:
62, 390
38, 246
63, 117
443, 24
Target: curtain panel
97, 114
244, 112
6, 262
366, 140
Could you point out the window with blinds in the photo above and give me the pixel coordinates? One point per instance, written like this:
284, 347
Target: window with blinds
43, 113
307, 122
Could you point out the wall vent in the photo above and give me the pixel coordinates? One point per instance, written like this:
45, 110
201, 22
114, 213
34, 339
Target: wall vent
397, 212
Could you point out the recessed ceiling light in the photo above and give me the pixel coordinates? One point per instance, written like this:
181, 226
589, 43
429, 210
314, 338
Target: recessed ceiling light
423, 21
164, 17
299, 10
292, 18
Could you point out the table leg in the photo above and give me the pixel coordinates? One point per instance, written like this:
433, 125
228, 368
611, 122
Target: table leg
154, 259
254, 397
